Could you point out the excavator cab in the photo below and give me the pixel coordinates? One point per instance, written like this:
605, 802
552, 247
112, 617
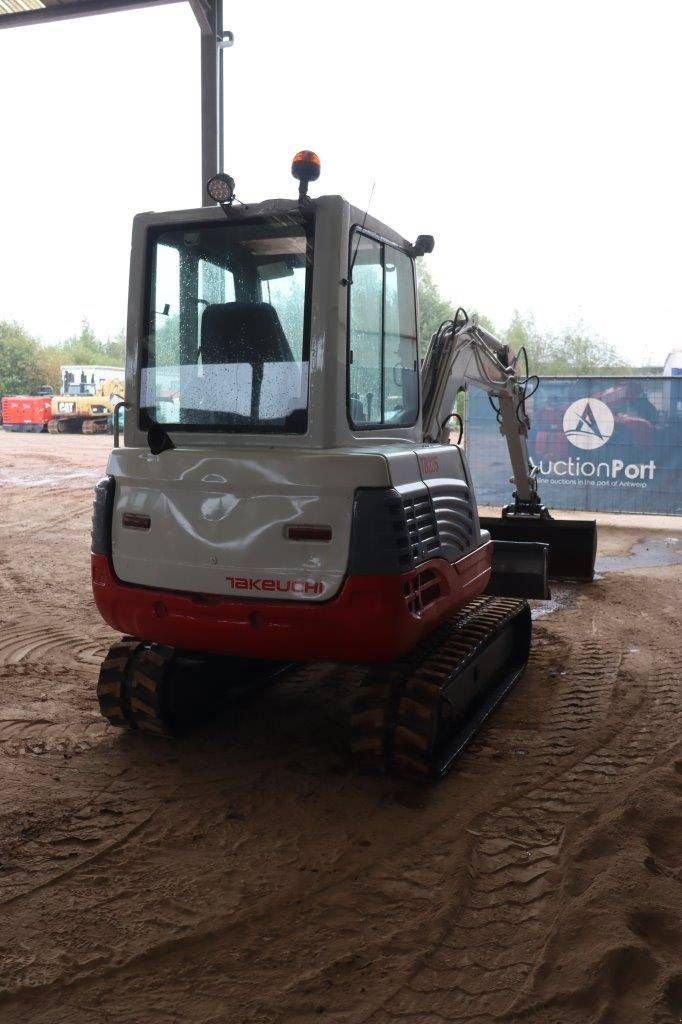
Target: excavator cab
279, 498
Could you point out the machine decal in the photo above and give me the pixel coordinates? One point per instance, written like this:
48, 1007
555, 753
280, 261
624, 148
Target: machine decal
281, 586
588, 423
429, 464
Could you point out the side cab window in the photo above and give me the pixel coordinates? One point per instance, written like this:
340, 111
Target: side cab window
383, 378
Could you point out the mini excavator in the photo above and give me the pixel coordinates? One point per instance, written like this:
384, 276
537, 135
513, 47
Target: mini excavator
289, 490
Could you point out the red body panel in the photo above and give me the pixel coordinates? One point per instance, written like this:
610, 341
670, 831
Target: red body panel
30, 410
372, 618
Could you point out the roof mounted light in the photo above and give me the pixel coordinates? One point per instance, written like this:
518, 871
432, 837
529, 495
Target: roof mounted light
305, 167
221, 189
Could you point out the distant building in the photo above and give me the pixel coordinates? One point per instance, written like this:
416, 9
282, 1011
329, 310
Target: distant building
91, 375
673, 364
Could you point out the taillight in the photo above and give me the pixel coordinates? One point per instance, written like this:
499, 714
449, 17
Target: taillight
319, 533
135, 521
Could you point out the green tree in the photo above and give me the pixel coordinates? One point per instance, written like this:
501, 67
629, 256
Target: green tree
82, 348
572, 353
20, 371
49, 360
578, 353
85, 348
433, 308
114, 350
522, 333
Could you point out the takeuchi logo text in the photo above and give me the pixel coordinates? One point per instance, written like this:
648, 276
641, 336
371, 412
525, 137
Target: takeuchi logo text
261, 584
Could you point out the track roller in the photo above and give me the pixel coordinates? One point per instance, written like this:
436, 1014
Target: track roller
94, 427
415, 717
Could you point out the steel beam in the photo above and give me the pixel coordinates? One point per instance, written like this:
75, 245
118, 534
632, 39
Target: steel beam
211, 148
81, 9
209, 15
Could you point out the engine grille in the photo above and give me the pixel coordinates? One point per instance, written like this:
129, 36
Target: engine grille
422, 528
397, 529
454, 518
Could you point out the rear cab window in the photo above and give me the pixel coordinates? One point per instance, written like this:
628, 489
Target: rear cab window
227, 342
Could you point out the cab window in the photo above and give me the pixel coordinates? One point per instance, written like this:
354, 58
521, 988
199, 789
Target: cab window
383, 381
227, 341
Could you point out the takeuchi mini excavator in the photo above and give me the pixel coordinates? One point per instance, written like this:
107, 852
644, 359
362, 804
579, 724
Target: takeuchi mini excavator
288, 491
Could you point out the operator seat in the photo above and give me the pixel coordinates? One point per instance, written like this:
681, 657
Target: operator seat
247, 333
243, 332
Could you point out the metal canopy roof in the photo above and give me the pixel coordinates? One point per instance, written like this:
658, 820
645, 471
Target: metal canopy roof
209, 15
14, 13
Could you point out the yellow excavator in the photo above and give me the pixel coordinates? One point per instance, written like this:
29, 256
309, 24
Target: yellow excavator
85, 408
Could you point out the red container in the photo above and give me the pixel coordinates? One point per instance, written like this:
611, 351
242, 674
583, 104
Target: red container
29, 413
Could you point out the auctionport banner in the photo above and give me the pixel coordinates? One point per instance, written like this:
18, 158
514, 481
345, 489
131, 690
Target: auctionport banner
606, 444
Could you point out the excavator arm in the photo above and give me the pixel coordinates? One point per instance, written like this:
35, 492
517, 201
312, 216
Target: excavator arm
463, 354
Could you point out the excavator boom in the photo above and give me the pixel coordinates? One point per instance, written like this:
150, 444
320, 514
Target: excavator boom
463, 354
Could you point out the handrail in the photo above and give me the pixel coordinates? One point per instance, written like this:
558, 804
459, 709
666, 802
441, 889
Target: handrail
119, 405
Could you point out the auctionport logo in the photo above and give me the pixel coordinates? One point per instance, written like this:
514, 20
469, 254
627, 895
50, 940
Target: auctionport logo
588, 423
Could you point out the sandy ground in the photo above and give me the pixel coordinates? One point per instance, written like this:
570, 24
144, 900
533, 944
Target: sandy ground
246, 874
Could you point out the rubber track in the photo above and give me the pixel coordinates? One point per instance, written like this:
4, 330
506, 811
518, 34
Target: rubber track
415, 745
395, 720
132, 687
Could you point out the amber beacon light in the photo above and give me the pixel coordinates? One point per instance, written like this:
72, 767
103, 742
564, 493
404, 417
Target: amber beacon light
305, 167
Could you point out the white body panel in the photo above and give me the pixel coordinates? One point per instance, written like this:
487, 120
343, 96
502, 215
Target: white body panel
219, 518
220, 503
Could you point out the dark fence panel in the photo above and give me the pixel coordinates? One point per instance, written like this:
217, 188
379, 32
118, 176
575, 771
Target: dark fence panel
608, 444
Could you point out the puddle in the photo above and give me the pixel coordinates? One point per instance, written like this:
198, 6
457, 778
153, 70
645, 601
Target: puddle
646, 554
562, 597
28, 479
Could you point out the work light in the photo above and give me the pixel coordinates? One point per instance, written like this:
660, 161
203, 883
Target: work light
221, 189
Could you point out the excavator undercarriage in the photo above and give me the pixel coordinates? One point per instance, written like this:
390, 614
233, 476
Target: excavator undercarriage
412, 717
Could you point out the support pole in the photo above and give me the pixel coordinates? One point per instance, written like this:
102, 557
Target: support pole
209, 15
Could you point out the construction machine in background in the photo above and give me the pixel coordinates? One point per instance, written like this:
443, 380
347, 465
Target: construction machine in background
27, 413
287, 494
85, 407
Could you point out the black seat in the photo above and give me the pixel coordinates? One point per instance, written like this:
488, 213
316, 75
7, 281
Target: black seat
247, 333
243, 332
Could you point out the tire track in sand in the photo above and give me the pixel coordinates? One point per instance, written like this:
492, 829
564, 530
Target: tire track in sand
20, 643
493, 943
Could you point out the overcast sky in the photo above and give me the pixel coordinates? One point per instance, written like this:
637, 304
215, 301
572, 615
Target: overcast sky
539, 142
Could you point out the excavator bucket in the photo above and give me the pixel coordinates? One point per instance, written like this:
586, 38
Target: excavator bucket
572, 543
519, 569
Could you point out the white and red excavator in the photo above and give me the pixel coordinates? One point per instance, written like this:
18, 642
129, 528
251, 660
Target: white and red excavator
287, 492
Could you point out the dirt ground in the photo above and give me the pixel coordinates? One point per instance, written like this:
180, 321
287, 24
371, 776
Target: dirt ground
247, 874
